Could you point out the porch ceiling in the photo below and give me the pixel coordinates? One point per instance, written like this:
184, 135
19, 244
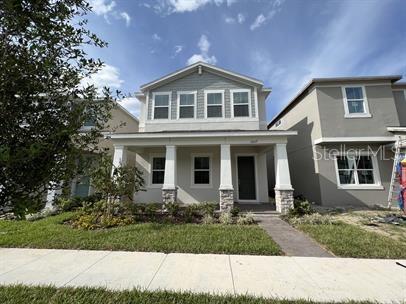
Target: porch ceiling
196, 138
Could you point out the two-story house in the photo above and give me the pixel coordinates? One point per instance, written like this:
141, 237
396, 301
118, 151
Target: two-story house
343, 154
203, 137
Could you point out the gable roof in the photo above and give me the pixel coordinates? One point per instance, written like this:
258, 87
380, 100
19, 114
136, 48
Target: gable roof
333, 80
199, 66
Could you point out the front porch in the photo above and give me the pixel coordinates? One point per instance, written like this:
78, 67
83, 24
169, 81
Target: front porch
216, 166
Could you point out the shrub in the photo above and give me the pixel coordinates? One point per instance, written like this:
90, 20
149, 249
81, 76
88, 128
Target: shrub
225, 218
235, 211
313, 219
246, 219
191, 211
300, 208
152, 208
208, 208
172, 209
208, 219
99, 220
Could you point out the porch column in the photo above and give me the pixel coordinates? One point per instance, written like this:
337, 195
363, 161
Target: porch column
226, 183
283, 187
169, 190
120, 156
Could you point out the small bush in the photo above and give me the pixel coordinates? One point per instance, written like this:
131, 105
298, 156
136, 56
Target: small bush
235, 211
152, 209
246, 219
225, 218
190, 212
313, 219
207, 208
100, 220
300, 208
173, 209
208, 219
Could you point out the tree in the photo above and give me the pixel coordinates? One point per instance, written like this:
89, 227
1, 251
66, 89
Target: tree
43, 101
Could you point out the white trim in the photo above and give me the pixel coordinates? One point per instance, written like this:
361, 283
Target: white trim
151, 157
192, 170
169, 105
249, 104
222, 103
347, 114
323, 140
194, 93
205, 134
396, 129
256, 103
375, 171
203, 64
204, 120
255, 155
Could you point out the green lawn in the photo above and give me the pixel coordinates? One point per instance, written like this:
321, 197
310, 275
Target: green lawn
52, 233
347, 240
36, 295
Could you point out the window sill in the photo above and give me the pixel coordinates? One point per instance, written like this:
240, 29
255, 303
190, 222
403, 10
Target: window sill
155, 186
360, 115
201, 186
360, 187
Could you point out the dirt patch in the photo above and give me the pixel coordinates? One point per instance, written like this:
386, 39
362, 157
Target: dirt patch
370, 220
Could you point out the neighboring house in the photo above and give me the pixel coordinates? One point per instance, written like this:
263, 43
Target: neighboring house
203, 137
121, 121
346, 128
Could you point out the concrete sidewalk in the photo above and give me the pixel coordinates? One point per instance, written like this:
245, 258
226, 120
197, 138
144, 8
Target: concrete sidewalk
318, 279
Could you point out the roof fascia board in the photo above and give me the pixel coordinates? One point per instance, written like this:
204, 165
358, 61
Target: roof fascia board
363, 139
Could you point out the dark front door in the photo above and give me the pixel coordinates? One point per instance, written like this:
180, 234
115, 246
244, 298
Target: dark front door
246, 178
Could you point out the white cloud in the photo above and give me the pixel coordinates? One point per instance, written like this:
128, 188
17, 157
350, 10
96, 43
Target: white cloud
178, 49
204, 47
107, 9
167, 7
240, 18
102, 7
262, 19
132, 105
229, 20
107, 76
126, 18
156, 37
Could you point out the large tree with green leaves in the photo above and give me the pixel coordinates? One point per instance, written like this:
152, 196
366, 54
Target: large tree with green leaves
43, 102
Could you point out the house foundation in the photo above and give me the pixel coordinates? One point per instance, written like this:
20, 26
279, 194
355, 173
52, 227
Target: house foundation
283, 200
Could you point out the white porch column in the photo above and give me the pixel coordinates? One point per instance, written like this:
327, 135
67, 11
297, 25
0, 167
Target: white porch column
226, 183
169, 190
120, 156
283, 187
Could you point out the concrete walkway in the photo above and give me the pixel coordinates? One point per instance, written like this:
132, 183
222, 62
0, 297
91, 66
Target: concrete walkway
318, 279
292, 241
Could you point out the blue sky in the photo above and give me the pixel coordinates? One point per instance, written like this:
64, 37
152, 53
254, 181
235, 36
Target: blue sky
285, 43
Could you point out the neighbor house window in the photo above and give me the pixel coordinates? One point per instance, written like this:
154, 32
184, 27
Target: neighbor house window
357, 170
161, 105
355, 102
187, 103
201, 171
240, 103
214, 104
158, 170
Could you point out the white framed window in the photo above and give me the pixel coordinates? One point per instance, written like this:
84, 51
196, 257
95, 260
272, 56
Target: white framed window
357, 171
355, 102
161, 108
214, 103
240, 103
187, 104
157, 169
201, 171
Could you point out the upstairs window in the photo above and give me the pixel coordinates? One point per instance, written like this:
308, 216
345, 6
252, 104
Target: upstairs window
201, 171
357, 170
355, 102
214, 104
240, 103
187, 104
161, 105
158, 170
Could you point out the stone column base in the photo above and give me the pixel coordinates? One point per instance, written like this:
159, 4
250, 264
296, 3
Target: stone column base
169, 196
226, 200
283, 200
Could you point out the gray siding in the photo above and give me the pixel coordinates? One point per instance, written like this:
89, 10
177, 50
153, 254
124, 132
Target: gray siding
381, 107
199, 83
400, 102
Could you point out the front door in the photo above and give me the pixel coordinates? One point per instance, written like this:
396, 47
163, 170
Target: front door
246, 178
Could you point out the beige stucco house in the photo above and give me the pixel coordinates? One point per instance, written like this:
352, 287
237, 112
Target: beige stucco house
347, 127
203, 137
